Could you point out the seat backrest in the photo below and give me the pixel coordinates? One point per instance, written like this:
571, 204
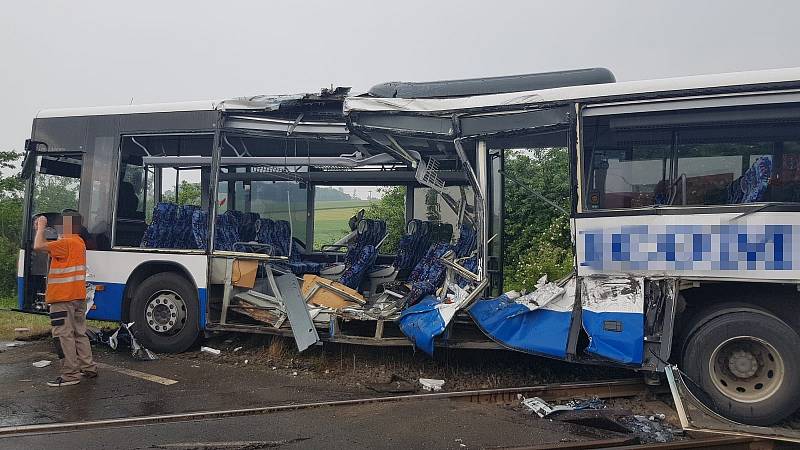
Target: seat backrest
429, 263
159, 233
370, 232
467, 241
354, 274
752, 185
413, 245
183, 233
226, 230
200, 229
282, 238
247, 226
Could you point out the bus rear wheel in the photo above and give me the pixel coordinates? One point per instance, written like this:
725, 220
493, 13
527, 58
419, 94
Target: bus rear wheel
165, 312
748, 363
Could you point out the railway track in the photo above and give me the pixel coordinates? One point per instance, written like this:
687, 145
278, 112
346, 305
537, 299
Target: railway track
550, 392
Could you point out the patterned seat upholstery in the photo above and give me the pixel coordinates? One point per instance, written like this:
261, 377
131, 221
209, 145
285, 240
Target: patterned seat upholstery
467, 241
412, 246
226, 231
277, 234
372, 233
752, 185
159, 233
247, 226
427, 275
354, 274
200, 229
183, 236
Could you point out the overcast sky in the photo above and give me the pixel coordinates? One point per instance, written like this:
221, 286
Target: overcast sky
63, 54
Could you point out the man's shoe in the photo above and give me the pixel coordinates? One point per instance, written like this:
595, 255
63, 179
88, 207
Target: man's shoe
89, 374
59, 382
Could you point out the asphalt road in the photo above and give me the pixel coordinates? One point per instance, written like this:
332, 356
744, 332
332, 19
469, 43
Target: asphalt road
129, 388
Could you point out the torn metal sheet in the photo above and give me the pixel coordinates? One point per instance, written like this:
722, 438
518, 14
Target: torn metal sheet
613, 317
303, 330
521, 325
696, 416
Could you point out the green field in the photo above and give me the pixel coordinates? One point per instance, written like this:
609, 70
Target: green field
331, 217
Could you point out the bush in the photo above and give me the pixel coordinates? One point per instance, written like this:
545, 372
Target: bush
537, 236
549, 256
392, 209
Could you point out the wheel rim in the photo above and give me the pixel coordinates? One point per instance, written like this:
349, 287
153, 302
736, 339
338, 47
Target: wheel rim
165, 312
746, 369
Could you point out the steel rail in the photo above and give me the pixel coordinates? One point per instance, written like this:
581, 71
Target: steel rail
628, 387
709, 443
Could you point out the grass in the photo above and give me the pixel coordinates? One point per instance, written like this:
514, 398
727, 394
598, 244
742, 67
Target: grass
330, 220
38, 323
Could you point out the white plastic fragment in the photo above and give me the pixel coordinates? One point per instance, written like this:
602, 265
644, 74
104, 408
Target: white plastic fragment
42, 363
237, 349
430, 384
12, 344
537, 405
211, 351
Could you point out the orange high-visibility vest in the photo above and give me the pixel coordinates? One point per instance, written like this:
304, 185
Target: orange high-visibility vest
67, 278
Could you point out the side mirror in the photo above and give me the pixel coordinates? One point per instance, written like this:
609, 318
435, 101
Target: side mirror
29, 163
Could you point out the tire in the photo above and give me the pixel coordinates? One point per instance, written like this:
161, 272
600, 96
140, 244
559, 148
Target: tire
165, 313
748, 364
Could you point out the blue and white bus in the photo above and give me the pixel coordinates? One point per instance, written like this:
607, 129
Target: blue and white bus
684, 205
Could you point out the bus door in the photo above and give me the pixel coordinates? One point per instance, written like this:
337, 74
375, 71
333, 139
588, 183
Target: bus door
53, 188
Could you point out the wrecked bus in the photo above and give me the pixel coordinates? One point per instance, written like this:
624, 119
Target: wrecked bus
682, 214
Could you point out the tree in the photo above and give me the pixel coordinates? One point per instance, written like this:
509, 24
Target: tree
537, 236
188, 194
392, 209
11, 194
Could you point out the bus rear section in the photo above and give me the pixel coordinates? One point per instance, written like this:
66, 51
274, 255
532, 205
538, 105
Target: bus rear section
684, 203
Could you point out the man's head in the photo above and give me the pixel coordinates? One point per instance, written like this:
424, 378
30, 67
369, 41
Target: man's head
70, 223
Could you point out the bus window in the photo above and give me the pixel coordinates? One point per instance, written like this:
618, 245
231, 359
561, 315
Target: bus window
254, 200
718, 156
57, 185
156, 202
335, 205
433, 206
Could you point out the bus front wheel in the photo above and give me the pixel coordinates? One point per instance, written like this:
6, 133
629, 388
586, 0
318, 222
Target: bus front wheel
165, 312
748, 363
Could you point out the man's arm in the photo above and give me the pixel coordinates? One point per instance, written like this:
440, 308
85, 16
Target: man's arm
39, 242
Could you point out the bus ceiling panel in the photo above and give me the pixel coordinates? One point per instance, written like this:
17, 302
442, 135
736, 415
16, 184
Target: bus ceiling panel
288, 127
549, 139
493, 124
720, 101
355, 178
351, 161
399, 124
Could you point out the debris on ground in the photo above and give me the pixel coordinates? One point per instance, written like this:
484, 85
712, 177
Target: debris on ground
651, 428
395, 385
541, 408
122, 337
42, 363
237, 349
210, 350
429, 384
21, 334
12, 344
